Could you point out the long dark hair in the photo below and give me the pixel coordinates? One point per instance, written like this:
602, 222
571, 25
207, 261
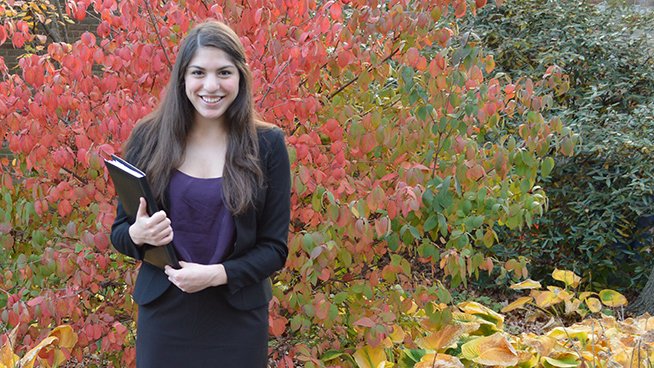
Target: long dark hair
158, 141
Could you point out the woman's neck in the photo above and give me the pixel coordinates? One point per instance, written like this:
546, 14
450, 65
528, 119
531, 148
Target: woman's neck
207, 132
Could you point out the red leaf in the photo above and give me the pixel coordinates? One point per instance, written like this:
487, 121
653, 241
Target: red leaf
36, 301
88, 39
64, 208
3, 35
335, 11
80, 13
480, 3
368, 142
343, 59
101, 241
18, 40
277, 325
365, 322
412, 56
324, 25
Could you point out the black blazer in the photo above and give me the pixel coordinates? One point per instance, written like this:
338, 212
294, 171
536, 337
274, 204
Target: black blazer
261, 235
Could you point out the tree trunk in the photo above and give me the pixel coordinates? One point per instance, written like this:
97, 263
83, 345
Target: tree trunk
645, 301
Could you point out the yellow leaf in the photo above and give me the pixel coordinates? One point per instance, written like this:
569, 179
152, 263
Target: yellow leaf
491, 350
585, 295
572, 306
646, 322
67, 338
612, 298
555, 289
594, 305
479, 310
648, 338
7, 356
527, 284
442, 339
547, 299
527, 359
439, 361
569, 333
397, 335
386, 343
630, 328
470, 322
568, 277
544, 345
519, 303
565, 295
368, 357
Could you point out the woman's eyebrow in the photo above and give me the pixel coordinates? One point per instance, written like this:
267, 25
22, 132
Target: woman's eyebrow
220, 68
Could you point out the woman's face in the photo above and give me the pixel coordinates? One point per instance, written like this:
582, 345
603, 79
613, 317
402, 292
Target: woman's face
211, 81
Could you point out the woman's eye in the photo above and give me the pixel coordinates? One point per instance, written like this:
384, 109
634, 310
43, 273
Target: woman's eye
225, 72
196, 72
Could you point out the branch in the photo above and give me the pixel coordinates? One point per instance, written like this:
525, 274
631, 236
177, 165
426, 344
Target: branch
357, 77
61, 17
81, 179
156, 31
273, 82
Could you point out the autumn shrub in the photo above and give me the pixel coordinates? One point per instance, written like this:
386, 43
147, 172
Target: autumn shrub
600, 200
395, 129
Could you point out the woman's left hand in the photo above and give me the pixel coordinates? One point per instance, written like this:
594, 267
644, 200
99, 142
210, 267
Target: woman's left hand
193, 277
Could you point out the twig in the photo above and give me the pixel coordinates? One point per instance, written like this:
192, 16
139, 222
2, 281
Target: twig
75, 175
357, 77
156, 31
273, 82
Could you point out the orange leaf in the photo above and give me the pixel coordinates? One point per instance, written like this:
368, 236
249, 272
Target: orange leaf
460, 9
443, 338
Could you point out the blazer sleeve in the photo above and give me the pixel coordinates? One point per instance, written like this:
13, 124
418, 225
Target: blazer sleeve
270, 250
120, 235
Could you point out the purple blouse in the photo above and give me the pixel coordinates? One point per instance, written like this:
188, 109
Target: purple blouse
203, 227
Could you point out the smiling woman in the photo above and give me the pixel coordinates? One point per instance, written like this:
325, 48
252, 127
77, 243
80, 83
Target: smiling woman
223, 179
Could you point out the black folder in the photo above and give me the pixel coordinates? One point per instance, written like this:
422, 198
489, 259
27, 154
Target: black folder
131, 184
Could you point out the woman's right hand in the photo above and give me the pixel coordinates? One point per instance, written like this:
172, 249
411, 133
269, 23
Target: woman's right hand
154, 230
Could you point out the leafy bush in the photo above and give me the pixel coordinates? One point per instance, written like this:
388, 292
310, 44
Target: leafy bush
600, 199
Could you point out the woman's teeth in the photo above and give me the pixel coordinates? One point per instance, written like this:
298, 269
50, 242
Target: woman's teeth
211, 99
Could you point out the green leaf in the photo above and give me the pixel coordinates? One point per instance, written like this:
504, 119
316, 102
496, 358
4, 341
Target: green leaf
331, 354
422, 113
431, 222
546, 167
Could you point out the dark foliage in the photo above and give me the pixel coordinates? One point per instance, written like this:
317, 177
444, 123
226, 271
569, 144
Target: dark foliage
600, 199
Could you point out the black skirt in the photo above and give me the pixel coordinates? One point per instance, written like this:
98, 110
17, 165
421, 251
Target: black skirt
200, 329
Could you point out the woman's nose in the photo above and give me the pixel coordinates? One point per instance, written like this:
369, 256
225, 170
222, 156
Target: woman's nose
211, 83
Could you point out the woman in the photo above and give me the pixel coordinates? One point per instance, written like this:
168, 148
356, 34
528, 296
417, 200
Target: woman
223, 179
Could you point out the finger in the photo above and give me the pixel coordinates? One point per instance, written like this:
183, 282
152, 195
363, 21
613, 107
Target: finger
143, 208
160, 226
159, 217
